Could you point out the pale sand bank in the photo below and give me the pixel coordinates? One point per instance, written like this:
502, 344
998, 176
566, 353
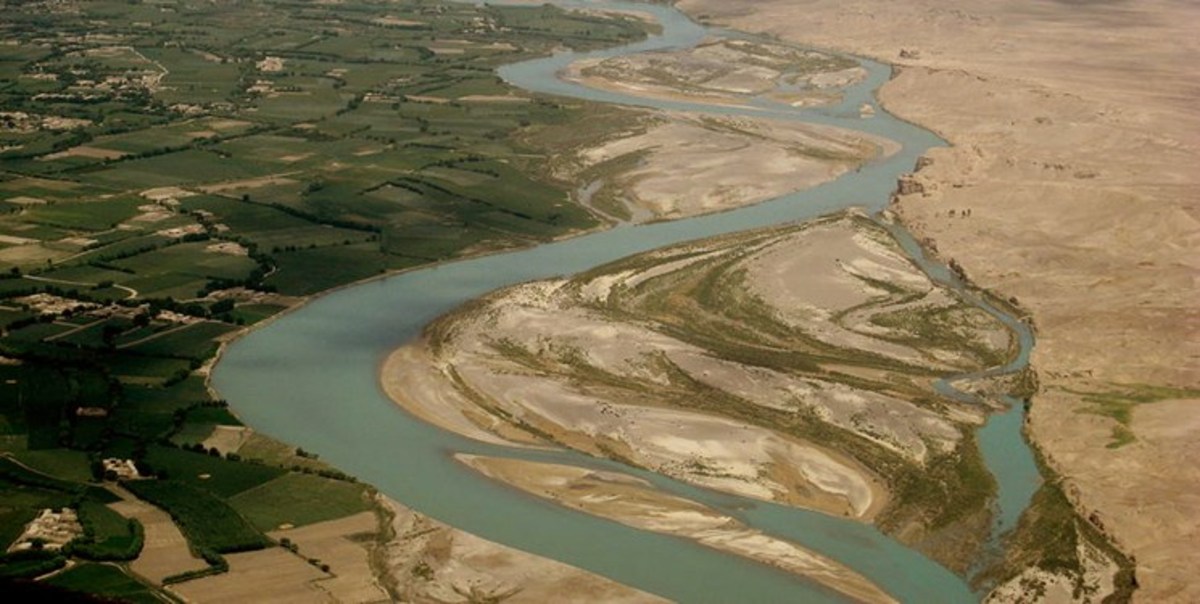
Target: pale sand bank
634, 502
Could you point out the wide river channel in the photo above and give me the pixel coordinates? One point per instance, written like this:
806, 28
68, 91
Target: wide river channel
311, 379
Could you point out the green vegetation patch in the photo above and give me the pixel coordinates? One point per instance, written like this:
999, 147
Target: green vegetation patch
212, 414
153, 369
188, 167
105, 580
193, 433
153, 411
191, 77
955, 328
273, 228
210, 473
1120, 402
1048, 536
189, 259
16, 474
172, 136
198, 423
270, 451
207, 520
309, 271
38, 332
47, 189
68, 464
299, 499
27, 565
249, 314
195, 341
88, 216
107, 534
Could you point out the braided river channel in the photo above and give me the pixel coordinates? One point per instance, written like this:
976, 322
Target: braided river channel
311, 378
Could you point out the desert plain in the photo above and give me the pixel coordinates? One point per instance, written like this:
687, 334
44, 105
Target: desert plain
1074, 142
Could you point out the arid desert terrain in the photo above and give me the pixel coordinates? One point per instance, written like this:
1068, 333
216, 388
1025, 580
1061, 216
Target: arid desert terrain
1074, 145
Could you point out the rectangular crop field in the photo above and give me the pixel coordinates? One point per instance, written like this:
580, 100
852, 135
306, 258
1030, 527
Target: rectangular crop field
213, 474
207, 521
192, 342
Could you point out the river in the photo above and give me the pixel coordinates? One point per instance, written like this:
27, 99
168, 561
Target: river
310, 378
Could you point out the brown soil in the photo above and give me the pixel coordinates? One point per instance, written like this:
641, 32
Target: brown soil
344, 545
269, 575
166, 550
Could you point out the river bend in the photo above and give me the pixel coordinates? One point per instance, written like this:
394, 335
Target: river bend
311, 379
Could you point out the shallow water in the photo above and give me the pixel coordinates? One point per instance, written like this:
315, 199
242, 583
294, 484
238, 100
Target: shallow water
311, 379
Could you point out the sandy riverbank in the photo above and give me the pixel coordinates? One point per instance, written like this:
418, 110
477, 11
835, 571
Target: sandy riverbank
634, 502
423, 560
1075, 145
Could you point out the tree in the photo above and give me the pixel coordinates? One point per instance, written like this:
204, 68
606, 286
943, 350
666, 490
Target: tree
109, 334
221, 306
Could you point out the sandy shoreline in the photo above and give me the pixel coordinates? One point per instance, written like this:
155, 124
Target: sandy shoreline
423, 560
635, 503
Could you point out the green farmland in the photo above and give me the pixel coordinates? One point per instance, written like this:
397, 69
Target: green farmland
173, 171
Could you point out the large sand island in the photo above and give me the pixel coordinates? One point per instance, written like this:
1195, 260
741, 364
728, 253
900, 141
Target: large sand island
792, 364
659, 165
1071, 184
725, 72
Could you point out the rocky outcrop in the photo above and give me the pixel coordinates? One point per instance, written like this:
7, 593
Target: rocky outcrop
907, 185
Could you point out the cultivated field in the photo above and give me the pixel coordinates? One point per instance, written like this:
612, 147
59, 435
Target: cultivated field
169, 174
166, 550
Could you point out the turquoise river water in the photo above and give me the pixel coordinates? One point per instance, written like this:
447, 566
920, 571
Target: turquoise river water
310, 378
